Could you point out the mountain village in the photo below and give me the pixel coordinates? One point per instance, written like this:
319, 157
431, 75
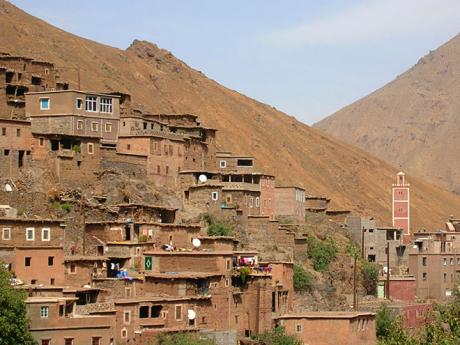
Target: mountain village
113, 246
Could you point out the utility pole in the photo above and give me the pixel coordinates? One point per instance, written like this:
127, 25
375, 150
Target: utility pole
362, 242
355, 297
83, 220
388, 271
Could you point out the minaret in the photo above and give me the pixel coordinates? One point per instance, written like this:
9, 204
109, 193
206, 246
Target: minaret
401, 206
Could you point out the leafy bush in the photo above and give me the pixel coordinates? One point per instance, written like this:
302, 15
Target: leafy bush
66, 207
390, 330
303, 280
244, 273
217, 227
322, 253
277, 337
181, 339
370, 274
142, 238
14, 325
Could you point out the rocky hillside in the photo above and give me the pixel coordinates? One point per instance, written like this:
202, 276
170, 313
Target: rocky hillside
296, 153
412, 122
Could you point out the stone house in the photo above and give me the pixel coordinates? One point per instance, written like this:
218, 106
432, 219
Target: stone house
15, 146
290, 203
331, 328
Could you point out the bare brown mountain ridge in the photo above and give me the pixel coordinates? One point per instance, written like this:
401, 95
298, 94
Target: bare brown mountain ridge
296, 153
412, 122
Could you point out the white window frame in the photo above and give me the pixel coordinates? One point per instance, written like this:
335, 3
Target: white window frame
80, 125
44, 230
298, 328
92, 126
106, 105
91, 104
251, 202
257, 201
214, 196
6, 231
223, 164
124, 333
33, 234
76, 103
44, 311
49, 103
110, 126
181, 312
90, 148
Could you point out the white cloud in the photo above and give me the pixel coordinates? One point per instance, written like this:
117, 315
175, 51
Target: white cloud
375, 20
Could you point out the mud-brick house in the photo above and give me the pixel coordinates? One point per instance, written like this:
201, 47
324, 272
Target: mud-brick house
15, 146
69, 128
282, 285
33, 249
434, 260
19, 75
290, 203
54, 320
331, 328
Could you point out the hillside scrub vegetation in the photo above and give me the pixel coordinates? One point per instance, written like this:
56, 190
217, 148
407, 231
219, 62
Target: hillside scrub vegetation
321, 252
303, 280
277, 337
181, 339
217, 227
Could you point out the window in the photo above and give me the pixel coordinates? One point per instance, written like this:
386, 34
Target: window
158, 169
94, 126
214, 196
155, 311
108, 127
27, 261
106, 105
41, 141
424, 261
44, 312
124, 333
3, 131
251, 202
451, 261
298, 328
68, 341
223, 164
6, 152
445, 277
228, 264
18, 132
90, 148
79, 103
144, 312
50, 260
91, 103
257, 201
178, 312
167, 170
52, 280
96, 341
72, 268
46, 234
445, 262
30, 234
80, 124
44, 103
46, 342
424, 276
6, 234
127, 317
128, 146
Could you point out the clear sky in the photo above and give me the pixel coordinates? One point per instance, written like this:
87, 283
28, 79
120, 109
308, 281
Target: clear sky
308, 58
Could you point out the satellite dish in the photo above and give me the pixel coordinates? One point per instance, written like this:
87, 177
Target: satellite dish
191, 314
202, 178
8, 188
196, 242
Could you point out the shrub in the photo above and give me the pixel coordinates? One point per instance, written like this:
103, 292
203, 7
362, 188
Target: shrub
244, 273
142, 238
322, 253
181, 339
370, 274
217, 227
303, 280
66, 207
277, 337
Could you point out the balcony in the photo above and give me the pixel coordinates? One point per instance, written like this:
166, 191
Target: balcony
152, 322
241, 186
65, 153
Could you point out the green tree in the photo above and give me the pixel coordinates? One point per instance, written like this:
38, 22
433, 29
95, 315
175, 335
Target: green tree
277, 337
182, 339
370, 275
390, 330
303, 280
14, 325
322, 253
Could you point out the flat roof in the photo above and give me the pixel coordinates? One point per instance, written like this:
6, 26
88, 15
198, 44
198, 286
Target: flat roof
39, 299
203, 253
326, 315
159, 299
84, 258
73, 91
182, 275
296, 187
33, 220
146, 206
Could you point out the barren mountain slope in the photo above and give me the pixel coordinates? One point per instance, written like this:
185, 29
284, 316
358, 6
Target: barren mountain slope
293, 151
412, 122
